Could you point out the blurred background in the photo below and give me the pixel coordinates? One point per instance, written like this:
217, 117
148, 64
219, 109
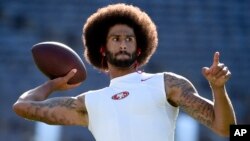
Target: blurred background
189, 34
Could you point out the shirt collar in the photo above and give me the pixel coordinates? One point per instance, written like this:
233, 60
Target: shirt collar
134, 77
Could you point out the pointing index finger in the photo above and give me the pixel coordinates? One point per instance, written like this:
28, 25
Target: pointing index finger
216, 58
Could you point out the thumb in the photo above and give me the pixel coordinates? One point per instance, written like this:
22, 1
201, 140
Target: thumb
205, 71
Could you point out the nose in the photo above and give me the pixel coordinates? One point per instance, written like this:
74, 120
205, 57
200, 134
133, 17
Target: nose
123, 45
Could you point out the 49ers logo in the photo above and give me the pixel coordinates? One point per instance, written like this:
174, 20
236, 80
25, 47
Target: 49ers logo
120, 95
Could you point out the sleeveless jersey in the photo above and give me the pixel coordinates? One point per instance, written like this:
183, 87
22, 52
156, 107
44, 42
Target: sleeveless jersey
132, 108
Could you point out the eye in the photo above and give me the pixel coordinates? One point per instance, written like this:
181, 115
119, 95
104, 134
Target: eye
129, 39
115, 39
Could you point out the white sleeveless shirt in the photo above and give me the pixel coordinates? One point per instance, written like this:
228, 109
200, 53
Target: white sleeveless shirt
132, 108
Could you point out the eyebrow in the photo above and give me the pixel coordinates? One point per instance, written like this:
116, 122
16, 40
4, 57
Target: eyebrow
112, 35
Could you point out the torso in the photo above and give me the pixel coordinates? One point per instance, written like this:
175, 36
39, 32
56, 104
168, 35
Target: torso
132, 108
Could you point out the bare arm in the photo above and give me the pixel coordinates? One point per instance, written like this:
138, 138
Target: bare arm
217, 114
34, 104
183, 94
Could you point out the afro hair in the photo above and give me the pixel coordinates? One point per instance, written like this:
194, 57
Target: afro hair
98, 24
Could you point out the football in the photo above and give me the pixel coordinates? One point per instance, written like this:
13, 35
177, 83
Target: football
55, 59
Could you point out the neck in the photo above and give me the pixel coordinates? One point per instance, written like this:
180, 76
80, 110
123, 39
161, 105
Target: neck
117, 71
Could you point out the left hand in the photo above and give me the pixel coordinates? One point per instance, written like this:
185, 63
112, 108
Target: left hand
218, 73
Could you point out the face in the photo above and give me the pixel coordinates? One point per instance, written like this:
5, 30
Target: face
121, 46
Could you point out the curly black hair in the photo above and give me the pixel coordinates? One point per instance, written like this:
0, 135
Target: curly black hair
98, 24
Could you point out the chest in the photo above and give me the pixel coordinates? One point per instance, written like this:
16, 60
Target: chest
137, 99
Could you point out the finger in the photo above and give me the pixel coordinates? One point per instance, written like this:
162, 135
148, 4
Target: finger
70, 86
71, 74
205, 71
216, 58
218, 68
77, 84
222, 72
226, 76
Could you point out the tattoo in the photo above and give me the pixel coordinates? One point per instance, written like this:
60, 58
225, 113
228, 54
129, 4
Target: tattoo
197, 108
67, 103
189, 100
54, 111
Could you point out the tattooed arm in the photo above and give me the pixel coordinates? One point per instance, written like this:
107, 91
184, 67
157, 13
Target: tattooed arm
34, 104
217, 114
180, 92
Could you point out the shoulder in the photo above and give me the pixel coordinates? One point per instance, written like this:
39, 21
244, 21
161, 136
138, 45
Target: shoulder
176, 86
90, 95
170, 79
174, 80
145, 75
94, 93
172, 75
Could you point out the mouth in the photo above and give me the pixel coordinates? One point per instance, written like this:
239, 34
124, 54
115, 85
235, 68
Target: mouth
123, 55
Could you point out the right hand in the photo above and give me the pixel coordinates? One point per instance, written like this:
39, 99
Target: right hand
61, 83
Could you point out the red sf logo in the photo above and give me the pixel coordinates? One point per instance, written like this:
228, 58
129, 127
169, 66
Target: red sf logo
120, 95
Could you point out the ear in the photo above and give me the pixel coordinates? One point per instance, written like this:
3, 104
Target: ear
102, 51
138, 51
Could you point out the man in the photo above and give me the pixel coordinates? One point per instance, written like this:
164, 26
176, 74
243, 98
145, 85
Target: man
136, 106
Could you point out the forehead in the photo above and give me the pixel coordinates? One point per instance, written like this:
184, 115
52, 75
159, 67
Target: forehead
120, 29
